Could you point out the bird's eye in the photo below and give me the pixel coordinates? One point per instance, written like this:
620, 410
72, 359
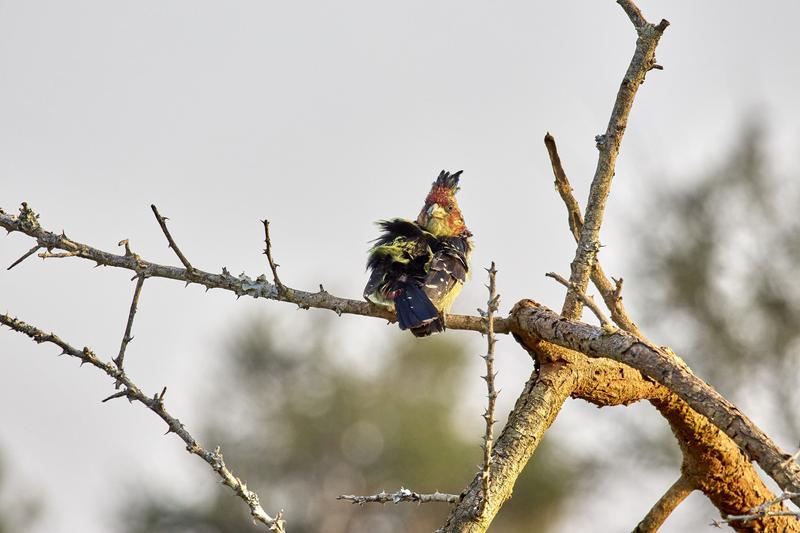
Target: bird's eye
448, 208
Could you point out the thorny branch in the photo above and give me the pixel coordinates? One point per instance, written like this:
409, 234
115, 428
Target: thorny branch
155, 404
126, 338
282, 290
162, 221
492, 305
402, 495
27, 222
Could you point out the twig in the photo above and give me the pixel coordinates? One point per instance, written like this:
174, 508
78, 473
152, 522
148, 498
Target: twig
488, 438
608, 145
402, 495
671, 499
155, 404
126, 338
612, 294
763, 510
25, 256
282, 289
587, 300
56, 255
162, 221
564, 188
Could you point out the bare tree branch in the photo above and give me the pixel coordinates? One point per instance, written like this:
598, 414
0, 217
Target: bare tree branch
126, 337
564, 188
155, 404
532, 415
162, 221
671, 499
609, 144
272, 265
241, 285
611, 293
532, 318
587, 300
401, 496
492, 306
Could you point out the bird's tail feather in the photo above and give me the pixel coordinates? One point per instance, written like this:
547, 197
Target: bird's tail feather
415, 311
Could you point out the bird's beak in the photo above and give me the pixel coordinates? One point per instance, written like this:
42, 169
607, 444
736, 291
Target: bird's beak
436, 211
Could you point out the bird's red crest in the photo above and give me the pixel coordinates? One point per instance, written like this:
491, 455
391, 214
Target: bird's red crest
440, 195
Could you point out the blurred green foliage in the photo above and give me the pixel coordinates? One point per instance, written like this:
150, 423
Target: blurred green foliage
19, 506
722, 283
300, 422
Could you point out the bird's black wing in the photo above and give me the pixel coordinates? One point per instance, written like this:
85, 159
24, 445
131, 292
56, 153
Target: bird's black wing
401, 253
448, 269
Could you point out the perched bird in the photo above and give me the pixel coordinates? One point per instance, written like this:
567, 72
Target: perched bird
418, 268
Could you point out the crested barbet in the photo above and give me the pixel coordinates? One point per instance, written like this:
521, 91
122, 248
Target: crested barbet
418, 268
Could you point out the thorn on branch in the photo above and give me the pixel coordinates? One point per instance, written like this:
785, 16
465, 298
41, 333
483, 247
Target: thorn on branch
25, 256
492, 305
116, 395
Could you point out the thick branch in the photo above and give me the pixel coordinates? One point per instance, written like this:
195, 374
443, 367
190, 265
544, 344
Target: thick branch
155, 404
654, 362
609, 143
713, 462
533, 413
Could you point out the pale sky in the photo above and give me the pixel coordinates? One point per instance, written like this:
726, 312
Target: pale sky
322, 117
